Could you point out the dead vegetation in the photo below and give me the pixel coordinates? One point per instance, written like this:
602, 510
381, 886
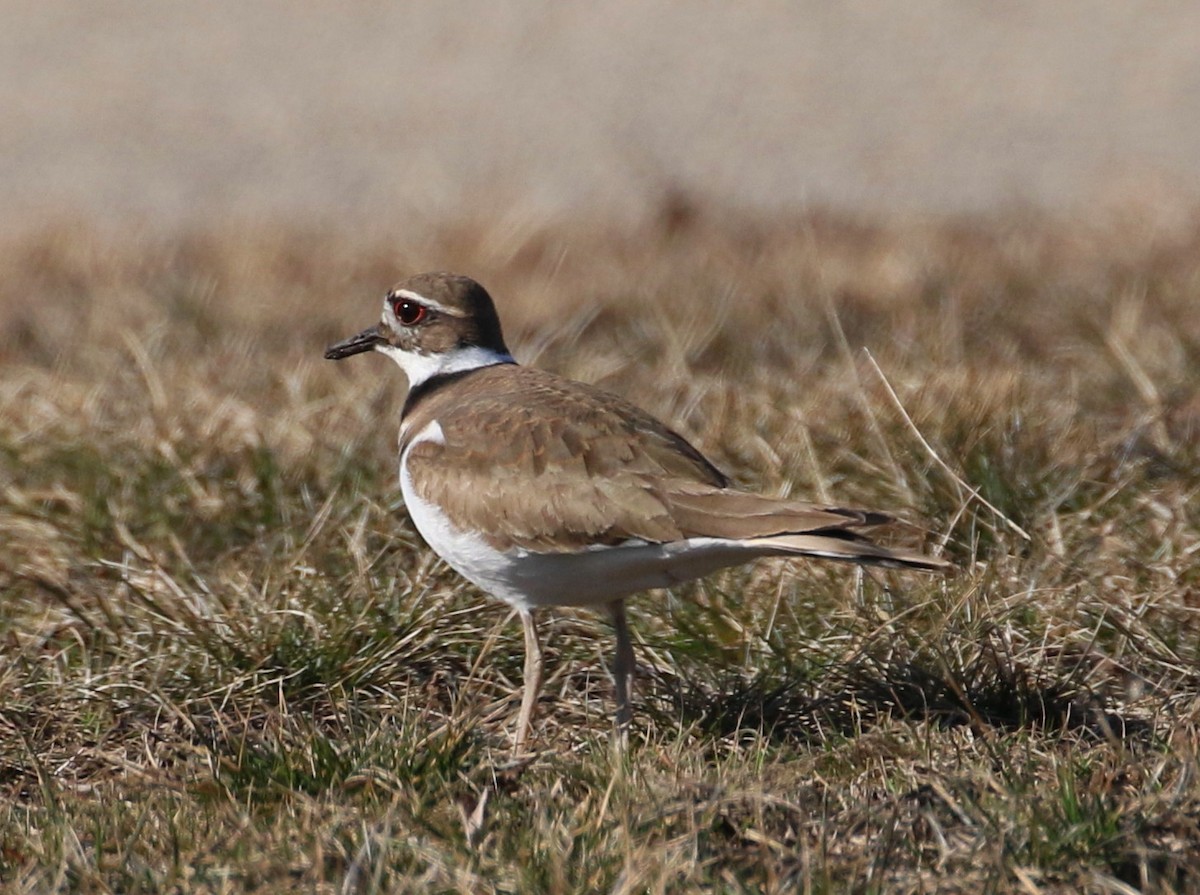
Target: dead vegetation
228, 664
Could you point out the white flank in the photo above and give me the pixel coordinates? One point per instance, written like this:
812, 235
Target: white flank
596, 576
465, 552
420, 367
592, 576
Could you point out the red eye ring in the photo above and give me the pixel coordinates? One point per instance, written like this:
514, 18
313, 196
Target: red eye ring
409, 312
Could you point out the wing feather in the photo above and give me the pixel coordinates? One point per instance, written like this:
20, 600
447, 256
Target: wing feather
563, 467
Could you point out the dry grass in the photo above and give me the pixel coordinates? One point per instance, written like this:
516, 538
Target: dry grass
228, 663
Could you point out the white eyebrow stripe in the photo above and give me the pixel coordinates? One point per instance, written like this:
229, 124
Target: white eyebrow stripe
428, 302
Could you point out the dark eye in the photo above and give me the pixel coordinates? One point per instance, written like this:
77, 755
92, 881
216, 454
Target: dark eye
409, 312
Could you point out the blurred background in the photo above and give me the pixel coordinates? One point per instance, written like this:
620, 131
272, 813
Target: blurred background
936, 258
396, 115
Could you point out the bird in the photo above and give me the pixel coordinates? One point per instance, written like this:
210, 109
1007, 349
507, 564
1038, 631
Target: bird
544, 491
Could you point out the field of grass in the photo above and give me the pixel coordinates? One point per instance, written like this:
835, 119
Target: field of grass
228, 664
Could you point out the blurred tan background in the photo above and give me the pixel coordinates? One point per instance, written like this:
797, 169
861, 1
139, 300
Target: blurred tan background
407, 114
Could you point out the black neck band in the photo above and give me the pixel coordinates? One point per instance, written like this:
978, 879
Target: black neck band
433, 384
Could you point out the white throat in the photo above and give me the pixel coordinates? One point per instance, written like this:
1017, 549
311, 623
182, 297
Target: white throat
421, 367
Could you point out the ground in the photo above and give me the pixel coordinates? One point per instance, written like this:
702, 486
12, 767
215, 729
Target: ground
229, 664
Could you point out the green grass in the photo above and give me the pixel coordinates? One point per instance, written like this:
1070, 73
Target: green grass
228, 663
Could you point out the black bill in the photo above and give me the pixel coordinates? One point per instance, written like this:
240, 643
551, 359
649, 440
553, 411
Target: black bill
364, 341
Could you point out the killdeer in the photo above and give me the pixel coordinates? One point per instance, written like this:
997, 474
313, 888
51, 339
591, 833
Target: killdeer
543, 491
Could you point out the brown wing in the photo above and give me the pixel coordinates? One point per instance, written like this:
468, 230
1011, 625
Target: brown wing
547, 464
788, 527
723, 513
561, 466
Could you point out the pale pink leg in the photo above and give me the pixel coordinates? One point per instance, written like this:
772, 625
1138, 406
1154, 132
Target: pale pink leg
533, 679
622, 669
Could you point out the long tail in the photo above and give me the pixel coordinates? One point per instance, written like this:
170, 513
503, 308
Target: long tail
789, 527
848, 547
